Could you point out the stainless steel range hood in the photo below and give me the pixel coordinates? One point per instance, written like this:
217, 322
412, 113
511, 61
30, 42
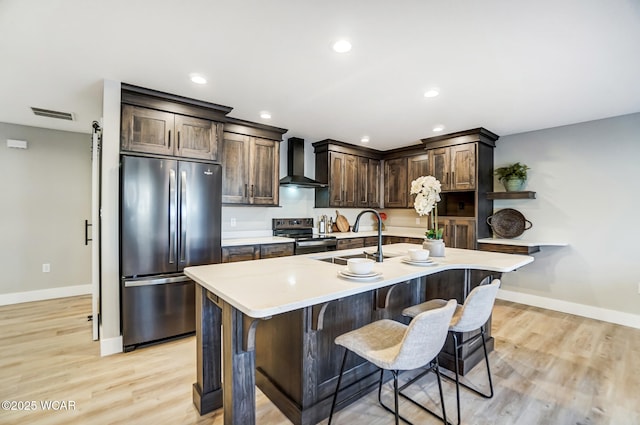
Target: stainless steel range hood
295, 166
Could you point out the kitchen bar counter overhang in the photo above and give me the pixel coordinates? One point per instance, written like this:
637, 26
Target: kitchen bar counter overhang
238, 295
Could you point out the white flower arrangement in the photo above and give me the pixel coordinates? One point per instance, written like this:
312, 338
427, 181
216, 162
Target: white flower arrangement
427, 190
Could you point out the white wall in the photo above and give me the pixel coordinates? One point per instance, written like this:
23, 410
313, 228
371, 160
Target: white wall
587, 195
45, 198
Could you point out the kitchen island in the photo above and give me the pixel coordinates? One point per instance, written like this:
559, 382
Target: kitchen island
282, 314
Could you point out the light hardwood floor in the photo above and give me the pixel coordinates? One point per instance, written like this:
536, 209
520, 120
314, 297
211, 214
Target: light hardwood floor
548, 368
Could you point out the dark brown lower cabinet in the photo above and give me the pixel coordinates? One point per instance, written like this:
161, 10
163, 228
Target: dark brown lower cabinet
350, 243
297, 362
231, 254
401, 239
274, 250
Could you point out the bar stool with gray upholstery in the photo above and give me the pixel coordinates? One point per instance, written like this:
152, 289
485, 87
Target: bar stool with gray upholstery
469, 317
394, 346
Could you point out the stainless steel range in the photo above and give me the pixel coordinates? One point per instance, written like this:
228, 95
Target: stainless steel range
301, 229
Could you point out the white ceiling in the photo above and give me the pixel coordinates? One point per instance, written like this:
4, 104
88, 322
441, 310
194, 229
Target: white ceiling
508, 66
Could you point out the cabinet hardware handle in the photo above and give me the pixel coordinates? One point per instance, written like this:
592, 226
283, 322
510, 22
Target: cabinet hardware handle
178, 140
252, 191
246, 188
169, 144
453, 178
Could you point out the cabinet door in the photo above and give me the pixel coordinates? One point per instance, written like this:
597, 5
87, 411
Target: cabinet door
146, 130
373, 185
396, 188
196, 138
368, 186
336, 179
350, 181
263, 181
459, 233
363, 192
463, 167
439, 165
235, 172
418, 166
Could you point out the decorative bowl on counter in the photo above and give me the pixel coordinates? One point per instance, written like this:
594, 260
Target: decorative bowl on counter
360, 265
418, 254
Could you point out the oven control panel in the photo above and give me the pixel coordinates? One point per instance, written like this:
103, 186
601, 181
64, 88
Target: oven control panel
291, 223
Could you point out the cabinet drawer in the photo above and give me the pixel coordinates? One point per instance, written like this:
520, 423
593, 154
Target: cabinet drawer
276, 250
371, 241
231, 254
351, 243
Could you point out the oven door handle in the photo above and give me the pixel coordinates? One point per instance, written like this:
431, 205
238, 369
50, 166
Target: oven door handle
304, 244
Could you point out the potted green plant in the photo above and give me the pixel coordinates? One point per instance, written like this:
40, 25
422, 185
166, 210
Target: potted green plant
513, 176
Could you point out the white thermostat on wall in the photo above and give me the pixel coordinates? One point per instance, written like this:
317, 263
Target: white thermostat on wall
19, 144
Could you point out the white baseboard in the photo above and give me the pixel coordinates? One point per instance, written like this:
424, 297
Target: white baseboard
598, 313
109, 346
44, 294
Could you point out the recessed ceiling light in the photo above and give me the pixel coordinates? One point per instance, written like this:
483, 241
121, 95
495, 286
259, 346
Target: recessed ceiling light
438, 128
365, 139
265, 115
342, 46
198, 79
431, 93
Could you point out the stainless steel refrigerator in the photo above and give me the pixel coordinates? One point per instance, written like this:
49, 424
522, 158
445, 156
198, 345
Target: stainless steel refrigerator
169, 219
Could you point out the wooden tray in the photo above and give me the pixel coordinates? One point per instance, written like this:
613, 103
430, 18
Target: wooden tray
508, 223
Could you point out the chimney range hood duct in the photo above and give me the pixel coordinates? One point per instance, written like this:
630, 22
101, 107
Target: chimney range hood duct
295, 166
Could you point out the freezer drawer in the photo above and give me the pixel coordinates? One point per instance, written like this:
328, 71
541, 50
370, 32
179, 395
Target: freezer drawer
156, 308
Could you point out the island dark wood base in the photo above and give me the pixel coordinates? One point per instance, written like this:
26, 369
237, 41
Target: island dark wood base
206, 403
207, 390
293, 354
470, 359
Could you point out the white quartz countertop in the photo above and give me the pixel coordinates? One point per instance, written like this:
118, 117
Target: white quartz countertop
262, 288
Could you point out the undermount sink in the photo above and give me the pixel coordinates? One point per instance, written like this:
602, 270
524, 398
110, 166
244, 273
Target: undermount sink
342, 259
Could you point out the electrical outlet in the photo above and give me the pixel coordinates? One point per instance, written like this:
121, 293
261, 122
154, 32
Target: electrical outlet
418, 220
46, 268
233, 222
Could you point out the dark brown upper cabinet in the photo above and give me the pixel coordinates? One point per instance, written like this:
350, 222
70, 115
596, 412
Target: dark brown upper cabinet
352, 175
454, 166
368, 183
250, 164
401, 167
396, 190
463, 162
163, 124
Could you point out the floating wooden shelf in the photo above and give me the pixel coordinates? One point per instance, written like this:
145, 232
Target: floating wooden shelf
508, 249
514, 246
527, 194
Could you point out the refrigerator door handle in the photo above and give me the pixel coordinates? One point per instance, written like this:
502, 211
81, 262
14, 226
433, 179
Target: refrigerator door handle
157, 281
172, 216
183, 215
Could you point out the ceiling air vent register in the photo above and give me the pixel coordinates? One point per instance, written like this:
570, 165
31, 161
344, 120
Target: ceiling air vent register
53, 114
